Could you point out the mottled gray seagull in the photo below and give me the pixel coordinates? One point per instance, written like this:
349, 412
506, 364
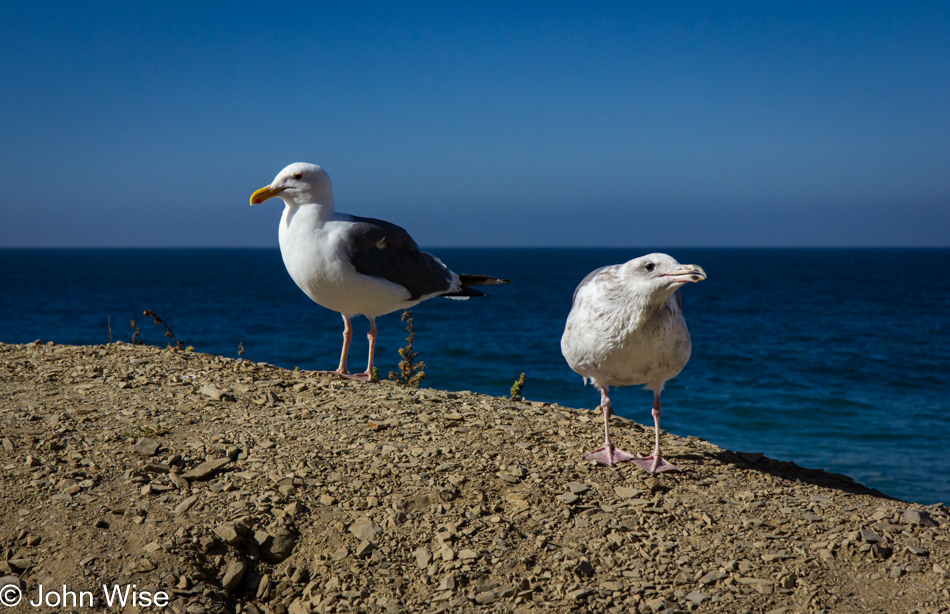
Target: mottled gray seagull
626, 328
354, 265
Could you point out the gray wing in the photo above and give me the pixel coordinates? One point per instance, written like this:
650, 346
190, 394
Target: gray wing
384, 250
589, 278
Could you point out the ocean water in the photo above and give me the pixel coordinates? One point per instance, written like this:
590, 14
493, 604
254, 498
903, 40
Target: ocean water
834, 358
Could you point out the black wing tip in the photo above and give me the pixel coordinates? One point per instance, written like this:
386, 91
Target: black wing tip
481, 280
465, 292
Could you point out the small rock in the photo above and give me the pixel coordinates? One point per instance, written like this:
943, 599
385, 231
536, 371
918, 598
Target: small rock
713, 576
365, 529
298, 606
917, 550
215, 393
69, 486
467, 555
568, 498
261, 538
207, 469
152, 547
185, 505
917, 518
32, 461
625, 492
696, 597
870, 537
146, 446
895, 573
364, 549
788, 581
584, 569
580, 593
341, 553
486, 597
263, 587
280, 547
659, 604
578, 488
233, 575
228, 534
19, 565
423, 557
12, 581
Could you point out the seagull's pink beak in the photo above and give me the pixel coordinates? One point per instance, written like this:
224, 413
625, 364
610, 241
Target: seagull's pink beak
687, 273
265, 193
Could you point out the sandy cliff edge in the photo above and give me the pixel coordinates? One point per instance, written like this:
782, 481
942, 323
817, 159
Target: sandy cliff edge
233, 486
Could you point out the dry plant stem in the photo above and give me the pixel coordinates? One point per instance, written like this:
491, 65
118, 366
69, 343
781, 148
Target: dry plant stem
517, 388
168, 330
410, 374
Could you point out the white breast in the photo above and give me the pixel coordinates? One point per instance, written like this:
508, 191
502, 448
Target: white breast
315, 254
615, 342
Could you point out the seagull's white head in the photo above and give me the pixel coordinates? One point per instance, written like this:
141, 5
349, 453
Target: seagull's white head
658, 275
300, 183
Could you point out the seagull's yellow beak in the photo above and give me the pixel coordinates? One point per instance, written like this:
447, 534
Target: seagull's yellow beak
265, 193
687, 272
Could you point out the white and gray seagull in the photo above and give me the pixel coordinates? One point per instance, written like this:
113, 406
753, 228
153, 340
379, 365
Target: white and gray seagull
354, 265
626, 328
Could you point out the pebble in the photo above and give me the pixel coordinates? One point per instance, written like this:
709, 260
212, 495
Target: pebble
568, 497
696, 597
233, 575
423, 557
713, 576
207, 469
228, 534
279, 547
185, 505
365, 529
146, 446
917, 518
578, 488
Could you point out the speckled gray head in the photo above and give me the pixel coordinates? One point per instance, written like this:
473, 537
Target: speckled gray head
661, 273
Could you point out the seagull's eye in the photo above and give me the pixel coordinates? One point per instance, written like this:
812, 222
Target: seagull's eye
649, 267
298, 175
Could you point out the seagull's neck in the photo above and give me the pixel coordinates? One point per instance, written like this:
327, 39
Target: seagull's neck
313, 214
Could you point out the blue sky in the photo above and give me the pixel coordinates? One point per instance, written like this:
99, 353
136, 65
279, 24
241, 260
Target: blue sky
621, 124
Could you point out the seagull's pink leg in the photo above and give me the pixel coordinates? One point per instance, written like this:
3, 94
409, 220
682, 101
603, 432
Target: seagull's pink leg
371, 336
608, 454
655, 463
347, 337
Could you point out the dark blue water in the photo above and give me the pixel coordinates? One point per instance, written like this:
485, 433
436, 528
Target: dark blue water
836, 359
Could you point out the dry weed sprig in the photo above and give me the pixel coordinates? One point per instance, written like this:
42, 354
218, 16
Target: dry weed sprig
168, 330
517, 388
410, 373
136, 336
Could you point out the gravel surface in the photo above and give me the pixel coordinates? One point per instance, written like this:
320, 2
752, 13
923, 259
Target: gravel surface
240, 487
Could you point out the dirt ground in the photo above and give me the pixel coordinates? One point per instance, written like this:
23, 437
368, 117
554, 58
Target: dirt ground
232, 486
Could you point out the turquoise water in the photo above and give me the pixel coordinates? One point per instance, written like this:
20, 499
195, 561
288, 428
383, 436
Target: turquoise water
835, 359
